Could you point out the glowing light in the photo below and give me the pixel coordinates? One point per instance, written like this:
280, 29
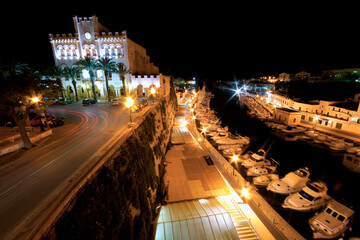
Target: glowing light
129, 102
152, 91
235, 158
316, 118
203, 130
193, 117
199, 139
191, 110
245, 192
35, 99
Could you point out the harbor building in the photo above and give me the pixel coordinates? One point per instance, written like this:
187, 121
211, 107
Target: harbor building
94, 40
341, 115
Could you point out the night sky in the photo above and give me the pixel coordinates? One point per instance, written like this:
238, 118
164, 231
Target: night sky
207, 40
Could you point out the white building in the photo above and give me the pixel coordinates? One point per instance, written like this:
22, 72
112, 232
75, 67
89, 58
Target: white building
94, 40
333, 114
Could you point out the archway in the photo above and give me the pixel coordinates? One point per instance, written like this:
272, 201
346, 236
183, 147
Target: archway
139, 90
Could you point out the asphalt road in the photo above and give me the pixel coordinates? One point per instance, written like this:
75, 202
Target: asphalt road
27, 177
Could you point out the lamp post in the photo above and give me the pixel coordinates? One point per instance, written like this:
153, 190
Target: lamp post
129, 103
316, 118
234, 158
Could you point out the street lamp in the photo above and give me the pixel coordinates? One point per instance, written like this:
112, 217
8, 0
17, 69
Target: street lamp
234, 158
129, 103
316, 118
245, 192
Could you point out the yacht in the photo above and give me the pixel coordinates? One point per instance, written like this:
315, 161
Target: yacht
310, 198
332, 222
292, 182
264, 180
352, 162
256, 159
337, 145
230, 140
258, 171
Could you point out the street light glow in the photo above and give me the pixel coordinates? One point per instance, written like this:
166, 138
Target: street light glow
35, 99
129, 102
152, 90
245, 193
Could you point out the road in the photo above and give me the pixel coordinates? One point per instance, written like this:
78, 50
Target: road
27, 177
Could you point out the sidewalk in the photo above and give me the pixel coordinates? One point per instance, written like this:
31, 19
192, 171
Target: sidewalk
11, 141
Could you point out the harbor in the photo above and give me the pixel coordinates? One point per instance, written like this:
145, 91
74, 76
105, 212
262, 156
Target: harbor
324, 164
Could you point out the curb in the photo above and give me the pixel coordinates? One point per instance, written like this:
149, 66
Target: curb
17, 146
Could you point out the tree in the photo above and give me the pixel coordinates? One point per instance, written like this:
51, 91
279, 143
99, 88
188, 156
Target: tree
90, 65
107, 65
57, 72
122, 71
19, 87
73, 73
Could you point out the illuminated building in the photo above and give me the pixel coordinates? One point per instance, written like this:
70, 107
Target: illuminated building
94, 40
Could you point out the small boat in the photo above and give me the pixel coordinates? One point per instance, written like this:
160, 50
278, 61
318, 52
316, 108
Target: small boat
312, 133
230, 140
353, 149
258, 171
332, 222
352, 162
256, 160
264, 180
320, 138
289, 129
310, 198
292, 182
337, 145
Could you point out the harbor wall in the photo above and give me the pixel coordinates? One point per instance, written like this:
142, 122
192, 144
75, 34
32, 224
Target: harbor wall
120, 200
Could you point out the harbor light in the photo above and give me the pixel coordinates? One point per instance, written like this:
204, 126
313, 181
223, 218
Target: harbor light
235, 158
245, 192
193, 117
35, 99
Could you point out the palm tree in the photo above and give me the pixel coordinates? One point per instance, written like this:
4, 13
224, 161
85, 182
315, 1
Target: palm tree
58, 72
107, 65
90, 65
73, 72
122, 71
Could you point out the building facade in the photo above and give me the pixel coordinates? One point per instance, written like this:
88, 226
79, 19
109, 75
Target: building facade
343, 115
94, 40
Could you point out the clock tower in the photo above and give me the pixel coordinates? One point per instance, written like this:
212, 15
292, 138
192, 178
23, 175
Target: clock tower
87, 30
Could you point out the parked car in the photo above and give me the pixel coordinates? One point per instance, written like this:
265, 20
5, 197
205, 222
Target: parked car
36, 120
117, 102
64, 101
88, 101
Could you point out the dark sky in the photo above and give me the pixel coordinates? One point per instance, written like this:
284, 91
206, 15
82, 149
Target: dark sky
209, 40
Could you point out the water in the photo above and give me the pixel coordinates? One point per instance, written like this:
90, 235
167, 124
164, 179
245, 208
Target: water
324, 165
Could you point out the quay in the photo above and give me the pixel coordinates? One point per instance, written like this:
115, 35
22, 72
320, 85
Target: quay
205, 199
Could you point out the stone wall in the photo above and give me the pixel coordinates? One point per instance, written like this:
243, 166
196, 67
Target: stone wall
120, 201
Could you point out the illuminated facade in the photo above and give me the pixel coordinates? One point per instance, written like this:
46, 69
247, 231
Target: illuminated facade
94, 40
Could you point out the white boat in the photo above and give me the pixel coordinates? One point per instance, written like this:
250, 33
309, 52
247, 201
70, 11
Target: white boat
292, 182
312, 133
229, 140
227, 146
352, 162
264, 180
321, 138
258, 171
337, 145
310, 198
353, 149
256, 160
232, 151
332, 222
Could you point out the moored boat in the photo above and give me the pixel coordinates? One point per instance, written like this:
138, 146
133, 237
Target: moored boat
264, 180
258, 171
310, 198
332, 222
292, 182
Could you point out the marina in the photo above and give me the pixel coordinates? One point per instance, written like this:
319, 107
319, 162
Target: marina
330, 179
